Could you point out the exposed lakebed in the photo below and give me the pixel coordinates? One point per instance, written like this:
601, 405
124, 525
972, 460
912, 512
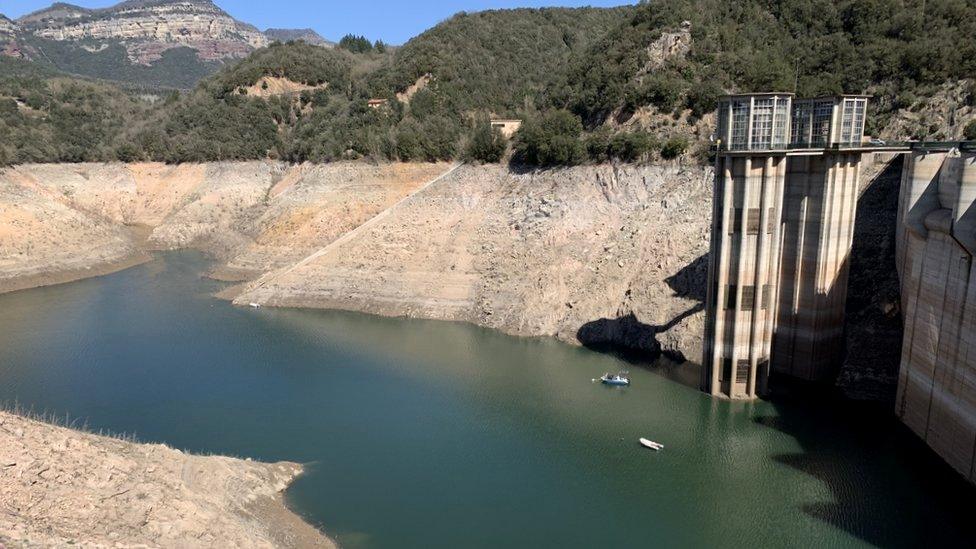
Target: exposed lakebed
425, 433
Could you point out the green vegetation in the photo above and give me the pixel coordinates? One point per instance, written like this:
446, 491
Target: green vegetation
581, 79
178, 67
356, 44
486, 145
47, 118
552, 139
969, 132
896, 49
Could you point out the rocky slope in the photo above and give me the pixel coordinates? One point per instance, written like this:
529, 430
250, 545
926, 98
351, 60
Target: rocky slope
873, 330
60, 487
7, 27
58, 222
44, 240
595, 255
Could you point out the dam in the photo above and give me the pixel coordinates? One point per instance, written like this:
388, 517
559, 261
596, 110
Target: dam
787, 182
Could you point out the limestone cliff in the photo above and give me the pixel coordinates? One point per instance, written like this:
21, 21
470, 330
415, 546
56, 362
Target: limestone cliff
148, 28
7, 27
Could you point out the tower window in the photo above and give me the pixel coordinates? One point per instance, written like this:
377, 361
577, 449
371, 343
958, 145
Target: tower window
752, 221
748, 298
742, 371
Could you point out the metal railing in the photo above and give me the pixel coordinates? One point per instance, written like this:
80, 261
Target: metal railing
874, 144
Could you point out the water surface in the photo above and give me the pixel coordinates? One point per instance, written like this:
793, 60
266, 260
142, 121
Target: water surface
435, 434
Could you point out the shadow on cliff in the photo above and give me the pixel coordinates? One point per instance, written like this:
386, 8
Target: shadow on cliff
638, 343
885, 460
873, 324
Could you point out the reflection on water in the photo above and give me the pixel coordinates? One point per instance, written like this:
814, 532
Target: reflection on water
422, 433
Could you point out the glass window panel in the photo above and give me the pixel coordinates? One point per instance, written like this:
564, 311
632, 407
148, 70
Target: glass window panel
762, 123
740, 123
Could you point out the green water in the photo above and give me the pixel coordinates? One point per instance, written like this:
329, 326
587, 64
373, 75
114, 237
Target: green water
434, 434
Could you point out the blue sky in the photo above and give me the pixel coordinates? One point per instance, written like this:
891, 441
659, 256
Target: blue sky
393, 21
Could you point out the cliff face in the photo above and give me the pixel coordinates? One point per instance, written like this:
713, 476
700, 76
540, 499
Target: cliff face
148, 28
7, 27
8, 38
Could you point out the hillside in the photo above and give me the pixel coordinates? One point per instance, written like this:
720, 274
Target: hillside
299, 102
158, 43
633, 84
902, 52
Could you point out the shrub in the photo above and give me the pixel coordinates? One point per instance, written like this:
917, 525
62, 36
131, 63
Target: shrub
969, 132
552, 139
660, 90
597, 145
703, 98
674, 147
486, 145
630, 147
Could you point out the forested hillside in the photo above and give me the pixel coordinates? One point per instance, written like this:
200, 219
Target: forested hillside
899, 50
631, 83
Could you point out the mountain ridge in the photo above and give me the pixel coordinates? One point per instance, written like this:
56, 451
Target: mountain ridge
164, 43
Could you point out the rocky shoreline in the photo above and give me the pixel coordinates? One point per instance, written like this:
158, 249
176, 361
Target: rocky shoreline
62, 487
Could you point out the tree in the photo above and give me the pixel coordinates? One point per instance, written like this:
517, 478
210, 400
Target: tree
486, 144
356, 44
969, 132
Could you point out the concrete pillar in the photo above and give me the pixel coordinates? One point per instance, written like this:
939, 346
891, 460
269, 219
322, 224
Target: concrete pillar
743, 267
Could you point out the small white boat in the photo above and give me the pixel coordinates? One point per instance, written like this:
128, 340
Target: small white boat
254, 305
651, 444
615, 379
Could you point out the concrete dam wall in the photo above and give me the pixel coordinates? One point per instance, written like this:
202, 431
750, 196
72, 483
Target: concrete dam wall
936, 242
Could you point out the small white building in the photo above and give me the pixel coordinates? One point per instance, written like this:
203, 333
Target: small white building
508, 126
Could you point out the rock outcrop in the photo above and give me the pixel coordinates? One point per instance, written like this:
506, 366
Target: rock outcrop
148, 28
940, 116
8, 29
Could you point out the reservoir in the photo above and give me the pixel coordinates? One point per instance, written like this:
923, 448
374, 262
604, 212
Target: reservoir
434, 434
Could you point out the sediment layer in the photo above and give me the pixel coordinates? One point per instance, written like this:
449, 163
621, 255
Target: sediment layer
593, 255
61, 487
